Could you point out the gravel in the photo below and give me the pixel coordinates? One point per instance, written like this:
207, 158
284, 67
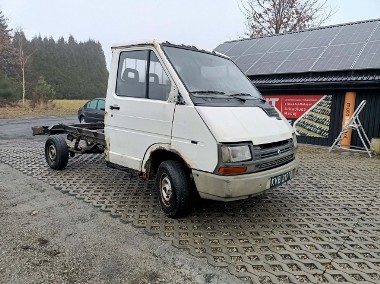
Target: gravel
49, 237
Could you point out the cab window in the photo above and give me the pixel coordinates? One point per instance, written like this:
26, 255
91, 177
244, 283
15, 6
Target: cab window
141, 75
92, 104
101, 105
159, 83
132, 74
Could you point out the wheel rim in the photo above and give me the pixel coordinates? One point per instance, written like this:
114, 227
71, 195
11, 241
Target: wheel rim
81, 120
166, 190
52, 152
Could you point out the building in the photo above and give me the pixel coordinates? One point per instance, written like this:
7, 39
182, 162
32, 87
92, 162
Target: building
316, 77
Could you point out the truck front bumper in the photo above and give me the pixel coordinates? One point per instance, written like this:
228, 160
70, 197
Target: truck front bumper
229, 188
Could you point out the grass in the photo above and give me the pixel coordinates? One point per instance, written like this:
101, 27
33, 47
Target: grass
56, 108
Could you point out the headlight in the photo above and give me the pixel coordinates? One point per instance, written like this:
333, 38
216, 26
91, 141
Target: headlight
295, 140
231, 154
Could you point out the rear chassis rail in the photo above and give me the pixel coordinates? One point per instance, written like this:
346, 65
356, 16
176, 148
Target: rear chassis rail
91, 133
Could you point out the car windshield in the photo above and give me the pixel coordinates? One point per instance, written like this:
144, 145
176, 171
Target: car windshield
210, 75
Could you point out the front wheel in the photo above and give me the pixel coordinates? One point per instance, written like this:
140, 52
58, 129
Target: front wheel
56, 152
173, 184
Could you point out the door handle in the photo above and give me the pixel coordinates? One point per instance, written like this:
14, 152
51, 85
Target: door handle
115, 107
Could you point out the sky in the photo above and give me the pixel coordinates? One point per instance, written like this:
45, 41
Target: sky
203, 23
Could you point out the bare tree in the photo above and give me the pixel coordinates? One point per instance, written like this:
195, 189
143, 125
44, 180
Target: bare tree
266, 17
24, 54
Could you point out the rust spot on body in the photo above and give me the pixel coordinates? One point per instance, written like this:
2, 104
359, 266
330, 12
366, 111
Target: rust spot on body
107, 150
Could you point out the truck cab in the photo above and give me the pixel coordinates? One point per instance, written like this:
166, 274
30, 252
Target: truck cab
193, 121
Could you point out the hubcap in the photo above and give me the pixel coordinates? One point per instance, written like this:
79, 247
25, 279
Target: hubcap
52, 152
166, 190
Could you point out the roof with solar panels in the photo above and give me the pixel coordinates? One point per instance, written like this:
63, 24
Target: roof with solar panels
339, 53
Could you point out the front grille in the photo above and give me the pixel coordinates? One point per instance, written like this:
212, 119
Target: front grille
275, 163
271, 155
272, 149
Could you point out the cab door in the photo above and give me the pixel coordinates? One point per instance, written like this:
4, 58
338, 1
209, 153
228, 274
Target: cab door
99, 115
138, 111
90, 110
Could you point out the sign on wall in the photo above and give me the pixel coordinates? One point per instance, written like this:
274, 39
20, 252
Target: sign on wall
309, 114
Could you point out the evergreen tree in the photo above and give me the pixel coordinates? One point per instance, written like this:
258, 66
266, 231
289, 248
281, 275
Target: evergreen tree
8, 86
43, 92
7, 53
76, 70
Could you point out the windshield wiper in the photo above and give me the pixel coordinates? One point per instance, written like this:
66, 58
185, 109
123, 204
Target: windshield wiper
240, 94
247, 95
207, 92
223, 94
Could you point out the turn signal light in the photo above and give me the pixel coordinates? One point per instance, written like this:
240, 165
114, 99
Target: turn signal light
230, 171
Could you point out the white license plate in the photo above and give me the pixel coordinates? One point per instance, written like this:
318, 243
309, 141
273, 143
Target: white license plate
280, 179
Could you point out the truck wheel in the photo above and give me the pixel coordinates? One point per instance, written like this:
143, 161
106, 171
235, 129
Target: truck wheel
56, 152
173, 184
81, 119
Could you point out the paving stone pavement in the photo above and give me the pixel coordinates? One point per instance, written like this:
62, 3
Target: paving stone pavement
323, 226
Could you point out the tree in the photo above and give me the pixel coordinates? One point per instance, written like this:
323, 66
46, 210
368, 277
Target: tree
266, 17
43, 92
7, 55
6, 91
24, 53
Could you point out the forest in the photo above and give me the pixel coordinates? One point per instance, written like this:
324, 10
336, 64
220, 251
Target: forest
42, 68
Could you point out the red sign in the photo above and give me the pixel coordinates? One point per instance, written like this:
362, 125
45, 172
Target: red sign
293, 106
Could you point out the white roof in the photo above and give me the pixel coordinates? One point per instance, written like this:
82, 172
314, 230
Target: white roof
134, 43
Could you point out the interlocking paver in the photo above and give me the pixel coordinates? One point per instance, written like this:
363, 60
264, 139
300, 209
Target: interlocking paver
322, 227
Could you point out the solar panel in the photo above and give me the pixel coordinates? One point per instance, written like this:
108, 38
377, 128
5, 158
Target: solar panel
376, 34
343, 50
261, 67
223, 48
334, 63
287, 43
269, 62
338, 57
317, 38
239, 48
262, 45
295, 66
245, 62
370, 57
306, 53
355, 33
328, 48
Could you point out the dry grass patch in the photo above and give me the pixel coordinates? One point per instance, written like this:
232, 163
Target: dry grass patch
55, 108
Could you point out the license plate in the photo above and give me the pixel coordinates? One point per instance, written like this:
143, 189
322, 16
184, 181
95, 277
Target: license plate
278, 180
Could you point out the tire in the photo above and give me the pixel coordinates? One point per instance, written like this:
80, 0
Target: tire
56, 152
81, 119
174, 188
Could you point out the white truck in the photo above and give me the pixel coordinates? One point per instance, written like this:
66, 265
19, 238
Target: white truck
188, 118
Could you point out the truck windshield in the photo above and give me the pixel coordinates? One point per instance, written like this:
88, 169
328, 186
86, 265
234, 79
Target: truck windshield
207, 75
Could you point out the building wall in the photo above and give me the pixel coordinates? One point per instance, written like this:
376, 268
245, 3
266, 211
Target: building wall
370, 116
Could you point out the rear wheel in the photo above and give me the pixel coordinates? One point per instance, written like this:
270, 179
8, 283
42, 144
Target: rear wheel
173, 184
56, 152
